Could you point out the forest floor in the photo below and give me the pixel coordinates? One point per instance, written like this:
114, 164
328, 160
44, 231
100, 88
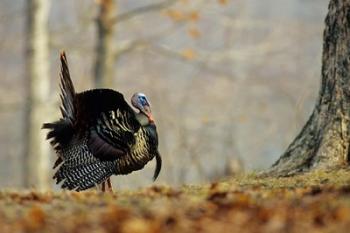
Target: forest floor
314, 202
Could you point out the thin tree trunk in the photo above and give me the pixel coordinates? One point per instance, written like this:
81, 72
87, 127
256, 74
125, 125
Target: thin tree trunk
105, 50
324, 140
37, 150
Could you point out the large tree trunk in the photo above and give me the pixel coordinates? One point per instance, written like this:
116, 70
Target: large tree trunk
324, 140
37, 150
104, 64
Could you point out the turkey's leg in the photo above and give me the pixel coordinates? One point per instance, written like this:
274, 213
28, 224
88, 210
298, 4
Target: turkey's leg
103, 188
109, 185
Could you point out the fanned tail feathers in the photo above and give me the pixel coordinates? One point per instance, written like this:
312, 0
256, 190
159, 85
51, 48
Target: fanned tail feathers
67, 90
61, 131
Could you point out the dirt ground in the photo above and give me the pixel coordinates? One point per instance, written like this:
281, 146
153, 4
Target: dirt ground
315, 202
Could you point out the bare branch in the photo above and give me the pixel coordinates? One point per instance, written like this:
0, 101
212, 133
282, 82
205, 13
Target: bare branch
200, 63
130, 46
142, 10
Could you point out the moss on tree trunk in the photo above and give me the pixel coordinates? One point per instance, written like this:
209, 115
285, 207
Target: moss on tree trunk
324, 140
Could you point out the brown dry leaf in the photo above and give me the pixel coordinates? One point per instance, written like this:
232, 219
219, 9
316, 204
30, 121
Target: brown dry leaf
138, 226
189, 54
158, 191
113, 213
243, 200
113, 218
36, 214
342, 213
35, 219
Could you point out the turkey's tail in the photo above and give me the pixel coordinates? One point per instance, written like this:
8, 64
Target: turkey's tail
62, 131
67, 90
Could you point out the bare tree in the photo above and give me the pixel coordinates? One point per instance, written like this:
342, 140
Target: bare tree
324, 140
106, 54
37, 158
105, 44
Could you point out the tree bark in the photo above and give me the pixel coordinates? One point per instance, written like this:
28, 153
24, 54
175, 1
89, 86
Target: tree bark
324, 140
105, 46
37, 70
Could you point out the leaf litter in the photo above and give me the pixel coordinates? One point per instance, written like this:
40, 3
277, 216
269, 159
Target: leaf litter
313, 202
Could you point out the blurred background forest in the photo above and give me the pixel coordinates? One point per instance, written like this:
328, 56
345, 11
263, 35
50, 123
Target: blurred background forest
230, 82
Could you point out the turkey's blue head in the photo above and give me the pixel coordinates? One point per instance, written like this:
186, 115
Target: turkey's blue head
140, 101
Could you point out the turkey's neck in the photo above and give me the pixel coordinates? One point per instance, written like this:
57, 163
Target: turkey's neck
142, 119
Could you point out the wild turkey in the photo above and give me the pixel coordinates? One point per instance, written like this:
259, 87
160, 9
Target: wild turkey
100, 135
